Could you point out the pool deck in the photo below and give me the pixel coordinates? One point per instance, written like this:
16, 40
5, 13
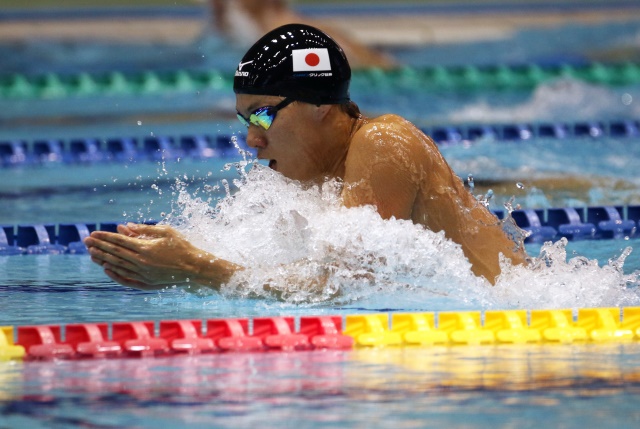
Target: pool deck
376, 25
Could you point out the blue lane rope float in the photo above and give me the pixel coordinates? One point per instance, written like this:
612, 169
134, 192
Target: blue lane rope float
16, 152
19, 152
584, 223
149, 82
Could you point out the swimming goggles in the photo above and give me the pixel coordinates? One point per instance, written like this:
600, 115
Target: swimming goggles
264, 116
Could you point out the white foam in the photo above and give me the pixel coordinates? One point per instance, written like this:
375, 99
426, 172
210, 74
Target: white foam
308, 248
553, 281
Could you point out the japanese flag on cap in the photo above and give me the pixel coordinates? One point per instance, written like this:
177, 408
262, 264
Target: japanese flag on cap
311, 60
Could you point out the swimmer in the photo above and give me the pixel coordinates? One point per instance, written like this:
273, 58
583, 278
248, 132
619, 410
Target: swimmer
243, 21
292, 93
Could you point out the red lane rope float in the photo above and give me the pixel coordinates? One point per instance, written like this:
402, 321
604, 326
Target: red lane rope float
43, 342
137, 339
90, 339
232, 335
325, 332
278, 333
182, 336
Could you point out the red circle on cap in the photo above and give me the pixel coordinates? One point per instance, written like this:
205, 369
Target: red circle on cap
312, 59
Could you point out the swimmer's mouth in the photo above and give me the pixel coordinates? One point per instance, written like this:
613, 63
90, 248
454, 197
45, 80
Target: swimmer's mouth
272, 164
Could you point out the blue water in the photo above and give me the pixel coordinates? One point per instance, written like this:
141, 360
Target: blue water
480, 387
465, 387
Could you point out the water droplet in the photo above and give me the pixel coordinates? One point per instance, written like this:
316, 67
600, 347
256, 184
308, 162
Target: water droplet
626, 99
519, 185
139, 122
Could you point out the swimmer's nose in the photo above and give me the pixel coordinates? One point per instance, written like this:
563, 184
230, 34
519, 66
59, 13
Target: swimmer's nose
255, 138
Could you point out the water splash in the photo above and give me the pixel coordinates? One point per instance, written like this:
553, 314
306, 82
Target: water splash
306, 247
300, 245
552, 281
482, 199
566, 98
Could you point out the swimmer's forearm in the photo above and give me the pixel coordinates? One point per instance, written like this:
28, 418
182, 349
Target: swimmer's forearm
212, 272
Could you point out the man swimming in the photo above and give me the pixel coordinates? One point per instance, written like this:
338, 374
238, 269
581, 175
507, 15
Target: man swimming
292, 93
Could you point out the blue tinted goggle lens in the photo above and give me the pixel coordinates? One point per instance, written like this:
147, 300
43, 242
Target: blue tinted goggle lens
263, 116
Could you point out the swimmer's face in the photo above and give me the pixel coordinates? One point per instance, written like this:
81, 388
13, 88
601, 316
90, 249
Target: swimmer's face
290, 144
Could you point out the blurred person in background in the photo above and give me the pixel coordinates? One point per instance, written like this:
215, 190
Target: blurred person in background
245, 21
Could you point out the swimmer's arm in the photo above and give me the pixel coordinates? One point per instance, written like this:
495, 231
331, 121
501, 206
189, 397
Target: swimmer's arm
150, 257
153, 257
378, 173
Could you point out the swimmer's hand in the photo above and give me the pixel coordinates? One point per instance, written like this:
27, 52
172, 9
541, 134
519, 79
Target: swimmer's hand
152, 257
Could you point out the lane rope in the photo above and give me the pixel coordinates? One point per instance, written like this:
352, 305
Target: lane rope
288, 333
582, 223
47, 151
53, 85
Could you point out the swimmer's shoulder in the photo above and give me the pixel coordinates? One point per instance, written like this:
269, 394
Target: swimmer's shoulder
390, 128
387, 121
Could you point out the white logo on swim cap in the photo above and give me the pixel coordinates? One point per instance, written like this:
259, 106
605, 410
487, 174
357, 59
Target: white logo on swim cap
311, 60
240, 73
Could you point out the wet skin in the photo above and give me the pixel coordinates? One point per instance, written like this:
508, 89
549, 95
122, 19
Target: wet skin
385, 162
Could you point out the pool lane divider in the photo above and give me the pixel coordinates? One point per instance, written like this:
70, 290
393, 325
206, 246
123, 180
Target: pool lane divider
89, 150
137, 339
585, 223
52, 85
8, 348
288, 334
92, 151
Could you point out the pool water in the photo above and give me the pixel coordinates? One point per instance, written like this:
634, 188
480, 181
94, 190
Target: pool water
578, 385
574, 386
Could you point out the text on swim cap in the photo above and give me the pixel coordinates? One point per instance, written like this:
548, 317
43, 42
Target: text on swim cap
239, 72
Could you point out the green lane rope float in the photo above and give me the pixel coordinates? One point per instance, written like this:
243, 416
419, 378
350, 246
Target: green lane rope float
82, 84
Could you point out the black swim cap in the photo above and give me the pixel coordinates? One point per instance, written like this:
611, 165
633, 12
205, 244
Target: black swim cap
296, 61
